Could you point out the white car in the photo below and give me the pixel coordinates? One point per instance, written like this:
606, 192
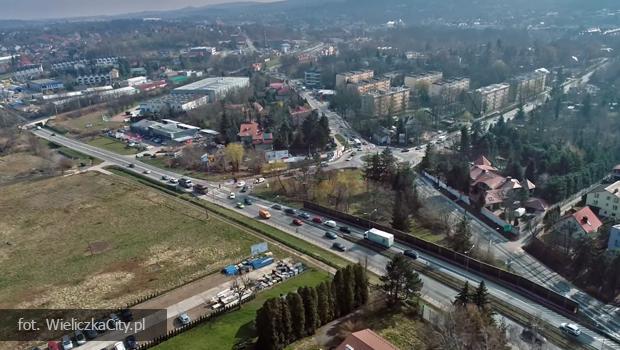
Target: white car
330, 223
173, 180
119, 346
571, 329
66, 343
231, 195
240, 184
146, 171
260, 180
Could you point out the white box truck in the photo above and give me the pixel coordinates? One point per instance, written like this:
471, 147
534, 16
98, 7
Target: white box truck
380, 237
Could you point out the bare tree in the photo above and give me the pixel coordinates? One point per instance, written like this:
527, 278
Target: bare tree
241, 285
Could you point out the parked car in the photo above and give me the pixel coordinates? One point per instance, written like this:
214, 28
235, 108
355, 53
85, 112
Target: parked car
571, 329
231, 195
240, 184
53, 345
91, 333
247, 201
345, 229
411, 254
131, 342
339, 246
126, 315
331, 223
165, 177
304, 215
244, 189
276, 207
66, 343
173, 181
119, 346
404, 150
260, 180
80, 339
317, 219
297, 222
330, 235
184, 319
240, 205
290, 211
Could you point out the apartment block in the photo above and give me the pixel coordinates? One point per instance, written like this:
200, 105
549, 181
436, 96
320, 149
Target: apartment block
365, 86
342, 79
448, 89
526, 86
312, 79
492, 98
413, 82
383, 103
607, 199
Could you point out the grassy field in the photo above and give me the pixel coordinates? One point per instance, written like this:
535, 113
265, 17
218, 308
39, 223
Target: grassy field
89, 123
162, 162
223, 332
112, 145
93, 240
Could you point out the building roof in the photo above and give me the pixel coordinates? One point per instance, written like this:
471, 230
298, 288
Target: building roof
248, 129
588, 221
365, 340
537, 204
217, 84
492, 180
617, 167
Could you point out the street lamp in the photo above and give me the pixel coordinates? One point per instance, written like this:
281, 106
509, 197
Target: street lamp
370, 216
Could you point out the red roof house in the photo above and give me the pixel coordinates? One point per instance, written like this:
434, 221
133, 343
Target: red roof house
365, 340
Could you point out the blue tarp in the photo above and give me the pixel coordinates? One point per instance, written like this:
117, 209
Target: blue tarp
231, 270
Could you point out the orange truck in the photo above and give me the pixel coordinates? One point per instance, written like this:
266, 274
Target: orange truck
264, 213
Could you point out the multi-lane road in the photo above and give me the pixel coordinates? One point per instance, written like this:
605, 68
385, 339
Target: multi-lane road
314, 233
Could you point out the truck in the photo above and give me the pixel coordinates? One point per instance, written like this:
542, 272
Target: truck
264, 213
380, 237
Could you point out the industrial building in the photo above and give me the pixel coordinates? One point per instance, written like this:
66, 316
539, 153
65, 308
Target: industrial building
46, 85
215, 88
383, 103
98, 79
491, 98
166, 130
173, 103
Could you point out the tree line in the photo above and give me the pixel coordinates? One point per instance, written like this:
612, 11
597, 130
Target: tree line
283, 320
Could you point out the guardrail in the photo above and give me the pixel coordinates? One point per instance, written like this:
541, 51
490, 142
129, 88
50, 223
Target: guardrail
517, 283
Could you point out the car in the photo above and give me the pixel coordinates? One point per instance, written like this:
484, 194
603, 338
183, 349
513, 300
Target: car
119, 346
410, 253
276, 207
240, 205
80, 339
38, 127
101, 325
260, 180
290, 211
232, 195
66, 343
247, 201
304, 215
349, 159
165, 177
244, 189
184, 319
317, 219
131, 342
240, 184
339, 246
404, 150
126, 315
330, 223
90, 333
172, 180
345, 229
330, 235
53, 345
146, 171
324, 165
53, 134
297, 222
571, 329
131, 165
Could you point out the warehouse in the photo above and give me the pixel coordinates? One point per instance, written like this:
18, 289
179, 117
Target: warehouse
215, 88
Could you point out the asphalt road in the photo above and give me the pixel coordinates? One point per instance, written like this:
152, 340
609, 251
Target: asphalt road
314, 233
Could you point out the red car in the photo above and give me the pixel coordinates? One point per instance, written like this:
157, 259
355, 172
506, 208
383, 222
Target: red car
53, 345
297, 222
317, 219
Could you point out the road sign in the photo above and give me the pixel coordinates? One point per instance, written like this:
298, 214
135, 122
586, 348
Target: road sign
259, 248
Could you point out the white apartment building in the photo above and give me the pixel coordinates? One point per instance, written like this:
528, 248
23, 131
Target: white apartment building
606, 198
449, 89
492, 98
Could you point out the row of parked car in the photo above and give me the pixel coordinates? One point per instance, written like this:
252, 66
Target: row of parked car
99, 327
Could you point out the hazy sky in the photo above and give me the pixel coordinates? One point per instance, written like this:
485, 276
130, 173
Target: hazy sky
36, 9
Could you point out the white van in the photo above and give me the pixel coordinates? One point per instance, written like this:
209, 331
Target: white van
331, 223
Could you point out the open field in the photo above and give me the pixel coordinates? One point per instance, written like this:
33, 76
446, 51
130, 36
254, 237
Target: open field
19, 166
92, 240
112, 145
87, 124
223, 332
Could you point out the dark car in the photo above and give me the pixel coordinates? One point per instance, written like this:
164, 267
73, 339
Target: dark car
330, 235
304, 215
126, 315
290, 211
345, 229
90, 333
244, 189
297, 222
404, 150
131, 343
317, 219
247, 201
276, 207
339, 246
131, 165
411, 253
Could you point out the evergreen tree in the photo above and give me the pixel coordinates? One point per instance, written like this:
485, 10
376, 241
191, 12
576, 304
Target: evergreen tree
309, 298
296, 307
429, 162
461, 241
387, 165
348, 293
465, 141
267, 326
361, 285
400, 282
481, 296
520, 116
286, 323
400, 213
337, 293
372, 168
463, 298
331, 301
324, 310
225, 126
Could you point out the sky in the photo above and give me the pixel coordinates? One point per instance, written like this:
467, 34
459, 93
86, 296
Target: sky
39, 9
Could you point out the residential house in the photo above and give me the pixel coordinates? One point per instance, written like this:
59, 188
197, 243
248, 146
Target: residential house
614, 238
606, 198
365, 340
299, 114
251, 135
574, 225
489, 188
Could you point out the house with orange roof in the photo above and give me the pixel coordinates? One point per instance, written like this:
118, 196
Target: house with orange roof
577, 224
365, 340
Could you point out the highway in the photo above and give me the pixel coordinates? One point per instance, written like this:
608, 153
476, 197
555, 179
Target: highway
314, 233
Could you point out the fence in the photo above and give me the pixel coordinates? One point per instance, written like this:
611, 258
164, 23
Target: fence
517, 283
450, 190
